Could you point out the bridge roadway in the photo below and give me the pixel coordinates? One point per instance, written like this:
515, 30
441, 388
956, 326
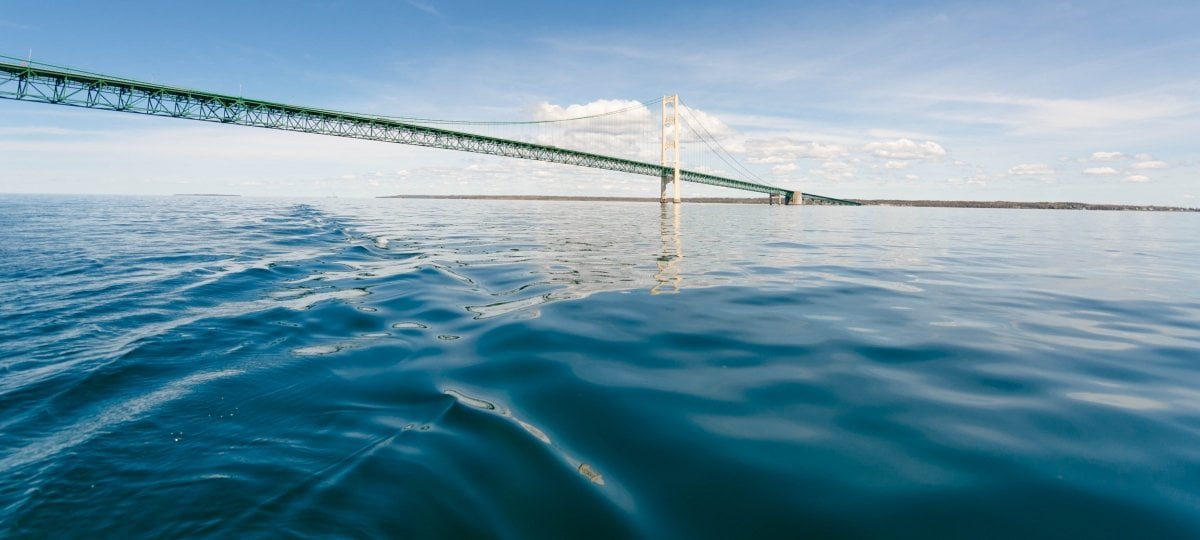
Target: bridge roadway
45, 84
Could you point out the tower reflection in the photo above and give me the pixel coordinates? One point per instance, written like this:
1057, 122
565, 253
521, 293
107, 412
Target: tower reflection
669, 277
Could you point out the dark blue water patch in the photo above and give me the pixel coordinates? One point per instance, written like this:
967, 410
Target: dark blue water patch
884, 421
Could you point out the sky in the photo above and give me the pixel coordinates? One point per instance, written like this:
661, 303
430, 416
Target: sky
1093, 101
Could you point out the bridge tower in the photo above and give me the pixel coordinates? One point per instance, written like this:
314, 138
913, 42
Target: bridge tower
670, 146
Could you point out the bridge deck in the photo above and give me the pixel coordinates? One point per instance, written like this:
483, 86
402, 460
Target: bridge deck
74, 88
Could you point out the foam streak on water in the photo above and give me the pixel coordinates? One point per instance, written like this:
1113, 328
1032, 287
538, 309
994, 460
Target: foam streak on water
414, 368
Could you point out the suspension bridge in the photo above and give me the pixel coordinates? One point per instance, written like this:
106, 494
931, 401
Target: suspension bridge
563, 138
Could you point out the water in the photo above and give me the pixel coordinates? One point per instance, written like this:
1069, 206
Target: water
238, 368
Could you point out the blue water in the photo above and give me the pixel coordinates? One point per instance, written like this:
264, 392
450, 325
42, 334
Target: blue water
239, 368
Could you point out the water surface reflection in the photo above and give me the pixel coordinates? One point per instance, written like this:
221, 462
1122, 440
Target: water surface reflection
669, 277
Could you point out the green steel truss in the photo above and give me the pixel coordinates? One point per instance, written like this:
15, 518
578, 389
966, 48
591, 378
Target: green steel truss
65, 87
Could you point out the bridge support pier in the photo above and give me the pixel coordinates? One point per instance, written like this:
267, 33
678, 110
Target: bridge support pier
793, 197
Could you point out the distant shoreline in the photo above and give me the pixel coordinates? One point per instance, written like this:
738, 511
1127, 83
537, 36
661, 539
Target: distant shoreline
207, 195
1028, 205
865, 202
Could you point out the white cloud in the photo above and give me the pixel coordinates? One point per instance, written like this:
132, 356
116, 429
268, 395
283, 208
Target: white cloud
886, 134
611, 127
1107, 156
1137, 178
973, 180
704, 123
1031, 169
784, 168
835, 170
912, 177
895, 165
617, 127
1151, 165
1034, 114
905, 149
1101, 171
783, 149
1143, 157
549, 112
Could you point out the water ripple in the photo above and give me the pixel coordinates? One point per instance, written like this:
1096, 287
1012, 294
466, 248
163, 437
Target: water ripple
397, 368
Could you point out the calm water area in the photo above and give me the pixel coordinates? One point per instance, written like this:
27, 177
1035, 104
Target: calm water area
263, 368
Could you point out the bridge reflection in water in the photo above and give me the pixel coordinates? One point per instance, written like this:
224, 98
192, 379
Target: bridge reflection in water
669, 277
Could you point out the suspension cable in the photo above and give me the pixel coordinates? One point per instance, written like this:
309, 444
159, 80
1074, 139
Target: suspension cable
732, 161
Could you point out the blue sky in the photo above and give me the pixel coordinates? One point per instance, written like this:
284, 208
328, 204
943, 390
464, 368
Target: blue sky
1088, 101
